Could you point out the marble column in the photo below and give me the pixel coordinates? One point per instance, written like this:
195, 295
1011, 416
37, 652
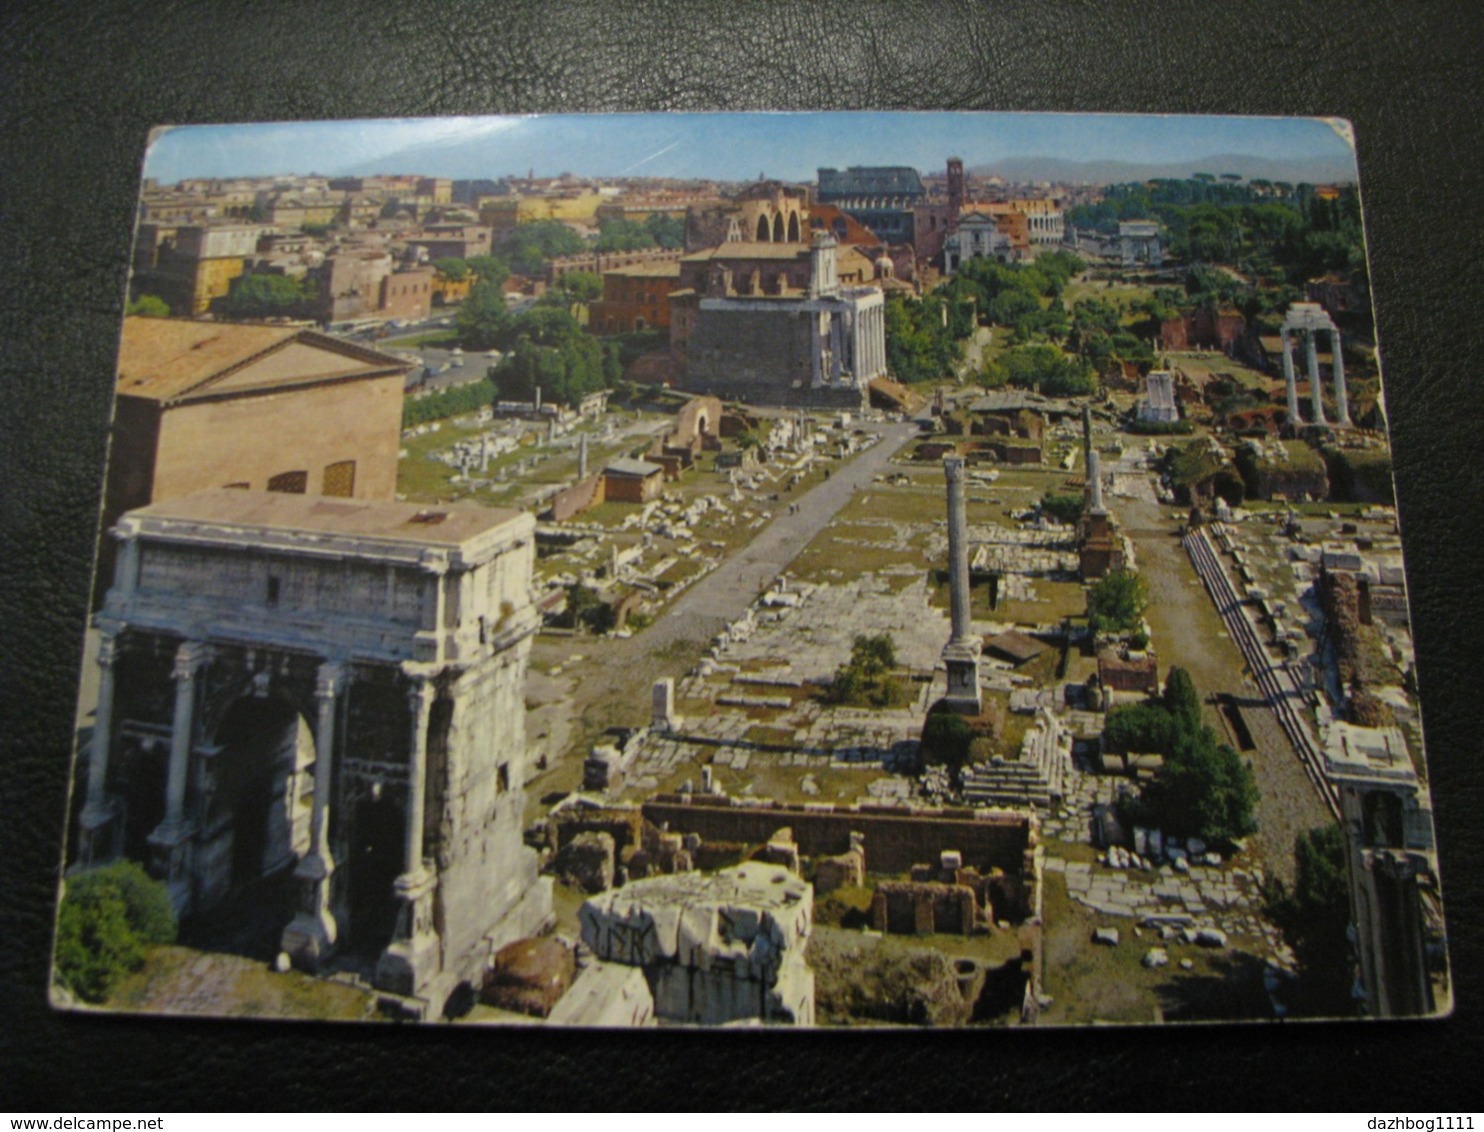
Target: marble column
958, 548
582, 457
97, 830
171, 839
1095, 483
411, 959
1295, 418
311, 935
961, 654
1342, 395
1086, 437
1316, 387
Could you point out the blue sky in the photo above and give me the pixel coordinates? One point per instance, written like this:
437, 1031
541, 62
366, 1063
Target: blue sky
721, 146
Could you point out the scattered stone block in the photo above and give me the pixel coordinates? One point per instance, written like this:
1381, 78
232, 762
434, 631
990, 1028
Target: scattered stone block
1156, 957
587, 862
1106, 936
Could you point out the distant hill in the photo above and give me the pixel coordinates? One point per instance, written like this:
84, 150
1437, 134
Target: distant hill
1321, 170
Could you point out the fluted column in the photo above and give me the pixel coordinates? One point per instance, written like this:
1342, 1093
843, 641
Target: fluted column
1342, 395
420, 698
1295, 418
97, 843
1316, 388
172, 837
411, 960
312, 933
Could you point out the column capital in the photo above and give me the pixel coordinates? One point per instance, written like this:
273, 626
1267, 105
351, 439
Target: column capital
953, 468
107, 649
435, 561
421, 691
332, 676
190, 658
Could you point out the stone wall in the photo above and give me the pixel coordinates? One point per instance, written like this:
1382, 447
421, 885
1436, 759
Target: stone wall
574, 500
895, 838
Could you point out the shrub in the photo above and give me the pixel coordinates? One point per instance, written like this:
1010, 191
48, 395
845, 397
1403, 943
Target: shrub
108, 917
946, 739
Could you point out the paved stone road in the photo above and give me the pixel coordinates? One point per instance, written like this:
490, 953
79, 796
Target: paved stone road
611, 685
724, 594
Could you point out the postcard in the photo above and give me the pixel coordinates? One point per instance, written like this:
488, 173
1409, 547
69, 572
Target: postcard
841, 569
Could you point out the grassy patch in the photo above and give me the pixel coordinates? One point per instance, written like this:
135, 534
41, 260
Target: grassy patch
181, 980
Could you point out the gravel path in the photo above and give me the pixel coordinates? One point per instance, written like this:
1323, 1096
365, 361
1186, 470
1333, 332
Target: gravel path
1287, 803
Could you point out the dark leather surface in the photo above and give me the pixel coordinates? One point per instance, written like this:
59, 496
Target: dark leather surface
82, 85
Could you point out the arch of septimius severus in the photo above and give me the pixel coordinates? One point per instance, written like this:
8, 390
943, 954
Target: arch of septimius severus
330, 689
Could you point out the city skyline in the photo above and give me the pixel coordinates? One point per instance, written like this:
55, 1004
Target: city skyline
733, 146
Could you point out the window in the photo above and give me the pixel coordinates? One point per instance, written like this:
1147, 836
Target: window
340, 479
273, 588
292, 483
502, 778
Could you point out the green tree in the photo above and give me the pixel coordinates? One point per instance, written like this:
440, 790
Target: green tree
107, 919
149, 306
529, 246
452, 268
265, 296
1204, 790
1041, 366
1181, 699
489, 269
484, 319
624, 236
867, 679
1315, 918
667, 231
946, 738
1116, 602
578, 287
587, 610
1144, 728
1063, 508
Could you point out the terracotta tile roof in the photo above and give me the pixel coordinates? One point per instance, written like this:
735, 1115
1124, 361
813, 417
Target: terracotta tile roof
167, 359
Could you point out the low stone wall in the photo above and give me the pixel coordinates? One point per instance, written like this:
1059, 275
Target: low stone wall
896, 838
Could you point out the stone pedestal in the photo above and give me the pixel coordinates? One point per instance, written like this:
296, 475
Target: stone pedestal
662, 706
310, 936
961, 659
98, 830
170, 847
411, 961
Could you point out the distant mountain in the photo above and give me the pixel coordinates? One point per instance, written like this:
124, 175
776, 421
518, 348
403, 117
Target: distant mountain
1319, 170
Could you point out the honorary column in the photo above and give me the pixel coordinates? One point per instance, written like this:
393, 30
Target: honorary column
961, 654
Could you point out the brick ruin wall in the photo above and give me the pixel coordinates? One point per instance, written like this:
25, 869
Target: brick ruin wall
896, 839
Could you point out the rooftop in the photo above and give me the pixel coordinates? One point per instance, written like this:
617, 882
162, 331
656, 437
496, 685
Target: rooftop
171, 359
238, 510
633, 468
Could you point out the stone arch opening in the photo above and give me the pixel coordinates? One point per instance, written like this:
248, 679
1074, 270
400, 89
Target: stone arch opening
793, 228
762, 229
378, 825
260, 797
778, 228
